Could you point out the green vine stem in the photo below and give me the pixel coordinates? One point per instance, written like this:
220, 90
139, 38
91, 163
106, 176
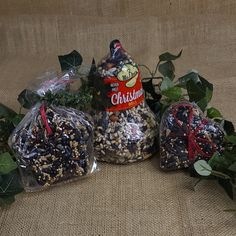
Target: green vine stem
155, 71
220, 175
152, 74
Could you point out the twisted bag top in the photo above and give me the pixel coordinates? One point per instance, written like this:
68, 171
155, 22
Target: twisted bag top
123, 76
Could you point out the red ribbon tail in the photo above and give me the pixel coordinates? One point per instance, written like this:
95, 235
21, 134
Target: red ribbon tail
45, 121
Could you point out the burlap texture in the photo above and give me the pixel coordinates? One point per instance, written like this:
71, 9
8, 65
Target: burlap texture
137, 199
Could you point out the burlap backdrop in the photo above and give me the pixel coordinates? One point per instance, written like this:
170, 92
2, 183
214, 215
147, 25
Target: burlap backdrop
137, 199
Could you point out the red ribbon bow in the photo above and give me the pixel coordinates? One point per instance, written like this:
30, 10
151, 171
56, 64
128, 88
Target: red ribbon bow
193, 141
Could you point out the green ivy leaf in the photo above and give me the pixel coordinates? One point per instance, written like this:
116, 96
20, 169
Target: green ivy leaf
195, 92
200, 92
169, 57
227, 186
5, 201
93, 74
28, 98
228, 127
173, 93
155, 106
209, 93
166, 84
193, 76
231, 139
71, 60
233, 150
221, 162
10, 184
213, 113
229, 156
232, 167
6, 112
202, 104
148, 87
167, 69
6, 128
100, 101
207, 87
204, 101
202, 168
6, 163
215, 159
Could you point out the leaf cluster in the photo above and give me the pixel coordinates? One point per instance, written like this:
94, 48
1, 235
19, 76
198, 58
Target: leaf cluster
80, 99
223, 165
9, 177
194, 88
93, 91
